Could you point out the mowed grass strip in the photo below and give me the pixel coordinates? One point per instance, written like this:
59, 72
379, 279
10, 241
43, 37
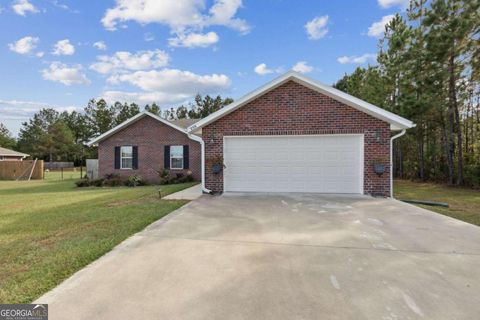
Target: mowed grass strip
50, 229
464, 203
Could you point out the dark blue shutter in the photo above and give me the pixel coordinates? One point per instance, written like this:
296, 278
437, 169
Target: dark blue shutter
166, 157
117, 158
186, 163
135, 157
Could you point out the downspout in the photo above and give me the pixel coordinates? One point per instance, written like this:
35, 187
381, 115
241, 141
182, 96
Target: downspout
391, 159
202, 144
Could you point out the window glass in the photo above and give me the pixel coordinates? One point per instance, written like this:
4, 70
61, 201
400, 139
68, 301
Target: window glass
176, 157
126, 155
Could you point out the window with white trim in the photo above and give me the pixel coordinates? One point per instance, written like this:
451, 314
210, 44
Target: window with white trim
176, 157
126, 157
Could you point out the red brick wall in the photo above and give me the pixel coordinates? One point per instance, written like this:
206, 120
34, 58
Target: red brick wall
293, 109
150, 136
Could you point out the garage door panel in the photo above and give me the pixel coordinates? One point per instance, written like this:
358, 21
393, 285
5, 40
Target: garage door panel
326, 164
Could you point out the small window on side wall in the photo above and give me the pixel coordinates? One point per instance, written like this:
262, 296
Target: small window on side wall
126, 157
176, 157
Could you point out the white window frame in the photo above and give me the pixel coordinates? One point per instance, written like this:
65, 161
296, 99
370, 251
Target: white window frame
172, 157
122, 157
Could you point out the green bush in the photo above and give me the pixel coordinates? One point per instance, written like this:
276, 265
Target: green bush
472, 176
135, 180
83, 183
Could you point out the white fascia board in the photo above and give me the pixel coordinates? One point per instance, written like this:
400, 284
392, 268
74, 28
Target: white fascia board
396, 122
133, 119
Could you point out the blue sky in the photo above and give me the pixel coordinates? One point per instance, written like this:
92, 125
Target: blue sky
60, 53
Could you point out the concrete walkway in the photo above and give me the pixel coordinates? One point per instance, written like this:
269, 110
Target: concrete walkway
192, 193
283, 257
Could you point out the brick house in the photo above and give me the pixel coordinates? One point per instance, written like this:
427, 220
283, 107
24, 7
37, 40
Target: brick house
297, 135
145, 145
291, 135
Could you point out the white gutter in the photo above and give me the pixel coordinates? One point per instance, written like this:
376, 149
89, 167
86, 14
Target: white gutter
391, 159
202, 144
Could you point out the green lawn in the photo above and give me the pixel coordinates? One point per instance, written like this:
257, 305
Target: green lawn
49, 229
464, 203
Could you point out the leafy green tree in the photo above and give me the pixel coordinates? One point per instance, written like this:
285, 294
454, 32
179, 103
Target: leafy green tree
153, 109
6, 139
100, 116
125, 111
207, 105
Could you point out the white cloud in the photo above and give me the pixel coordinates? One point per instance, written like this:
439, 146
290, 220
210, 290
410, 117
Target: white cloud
40, 54
100, 45
317, 28
302, 67
123, 61
166, 86
357, 59
390, 3
21, 7
193, 40
63, 47
177, 14
262, 69
173, 81
185, 18
377, 28
68, 75
24, 45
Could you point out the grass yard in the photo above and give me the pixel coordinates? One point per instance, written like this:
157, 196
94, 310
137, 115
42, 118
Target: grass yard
49, 229
464, 203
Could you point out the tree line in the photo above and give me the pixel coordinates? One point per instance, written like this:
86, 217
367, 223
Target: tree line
61, 136
428, 71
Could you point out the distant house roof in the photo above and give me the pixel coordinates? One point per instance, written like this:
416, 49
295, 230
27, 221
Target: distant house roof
185, 123
180, 125
4, 152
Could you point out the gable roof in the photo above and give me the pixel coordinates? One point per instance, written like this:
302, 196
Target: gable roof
4, 152
185, 123
177, 126
396, 122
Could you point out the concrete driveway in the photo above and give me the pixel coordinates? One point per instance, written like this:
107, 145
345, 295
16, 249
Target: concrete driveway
284, 257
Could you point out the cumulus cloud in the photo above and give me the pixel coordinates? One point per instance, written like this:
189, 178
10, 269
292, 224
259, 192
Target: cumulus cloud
68, 75
22, 7
185, 18
123, 61
357, 59
317, 28
193, 40
166, 86
63, 48
177, 14
391, 3
302, 67
100, 45
262, 69
377, 28
24, 45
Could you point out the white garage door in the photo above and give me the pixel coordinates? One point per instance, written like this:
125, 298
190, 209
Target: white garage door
320, 164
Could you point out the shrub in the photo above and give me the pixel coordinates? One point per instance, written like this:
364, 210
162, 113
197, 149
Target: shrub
167, 177
472, 175
113, 180
83, 183
135, 180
